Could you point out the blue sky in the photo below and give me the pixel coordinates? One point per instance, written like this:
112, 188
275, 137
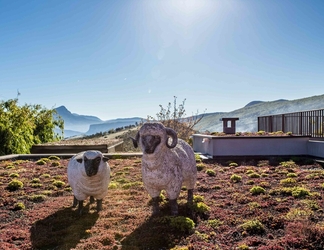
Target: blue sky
123, 58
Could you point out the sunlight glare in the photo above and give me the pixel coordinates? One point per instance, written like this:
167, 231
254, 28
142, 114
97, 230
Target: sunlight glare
187, 12
188, 6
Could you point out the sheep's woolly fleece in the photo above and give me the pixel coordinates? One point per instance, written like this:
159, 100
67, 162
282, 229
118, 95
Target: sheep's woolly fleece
84, 186
165, 167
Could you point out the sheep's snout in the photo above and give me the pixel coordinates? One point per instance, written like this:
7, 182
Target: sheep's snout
150, 142
91, 166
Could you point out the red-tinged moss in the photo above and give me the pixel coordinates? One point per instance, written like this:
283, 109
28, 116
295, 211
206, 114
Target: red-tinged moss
126, 222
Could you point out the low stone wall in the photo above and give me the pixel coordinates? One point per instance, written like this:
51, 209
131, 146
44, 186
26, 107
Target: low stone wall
67, 149
116, 148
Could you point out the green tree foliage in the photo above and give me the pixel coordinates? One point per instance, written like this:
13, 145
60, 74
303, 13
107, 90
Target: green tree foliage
23, 126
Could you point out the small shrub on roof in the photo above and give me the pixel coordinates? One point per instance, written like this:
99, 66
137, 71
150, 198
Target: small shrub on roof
200, 166
253, 227
14, 175
288, 182
58, 183
210, 172
201, 208
254, 175
236, 178
15, 185
198, 198
55, 164
37, 198
113, 185
250, 182
214, 223
298, 214
263, 163
299, 192
313, 205
243, 247
41, 162
256, 190
288, 164
35, 180
181, 223
19, 206
54, 157
197, 157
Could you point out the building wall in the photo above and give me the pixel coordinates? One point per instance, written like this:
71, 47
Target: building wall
254, 146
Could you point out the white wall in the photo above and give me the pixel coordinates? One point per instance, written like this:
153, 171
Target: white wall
250, 146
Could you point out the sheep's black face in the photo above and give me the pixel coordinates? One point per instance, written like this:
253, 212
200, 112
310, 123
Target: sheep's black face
91, 165
150, 142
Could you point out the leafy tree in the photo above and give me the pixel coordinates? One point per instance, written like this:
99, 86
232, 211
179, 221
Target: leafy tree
23, 126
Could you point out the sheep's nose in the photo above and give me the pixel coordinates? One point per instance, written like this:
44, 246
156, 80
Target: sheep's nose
150, 142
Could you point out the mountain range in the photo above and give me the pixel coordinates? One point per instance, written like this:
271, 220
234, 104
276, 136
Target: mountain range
248, 115
75, 124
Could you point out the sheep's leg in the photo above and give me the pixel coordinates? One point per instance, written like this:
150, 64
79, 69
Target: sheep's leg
75, 202
80, 208
99, 205
174, 207
92, 200
155, 202
190, 196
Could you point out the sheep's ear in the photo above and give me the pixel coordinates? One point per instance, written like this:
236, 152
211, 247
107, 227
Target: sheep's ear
105, 159
170, 132
134, 142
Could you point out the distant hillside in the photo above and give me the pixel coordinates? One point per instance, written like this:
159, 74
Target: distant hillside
112, 124
248, 116
76, 125
75, 122
257, 102
253, 103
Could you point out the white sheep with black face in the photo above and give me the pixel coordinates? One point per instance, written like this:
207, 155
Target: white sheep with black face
165, 166
88, 175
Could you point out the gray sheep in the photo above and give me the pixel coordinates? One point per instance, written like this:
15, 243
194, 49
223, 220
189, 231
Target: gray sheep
88, 175
165, 165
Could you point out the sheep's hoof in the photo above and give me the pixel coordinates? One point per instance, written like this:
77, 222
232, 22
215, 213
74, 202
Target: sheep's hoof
92, 200
80, 208
99, 205
190, 197
156, 209
174, 207
75, 202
